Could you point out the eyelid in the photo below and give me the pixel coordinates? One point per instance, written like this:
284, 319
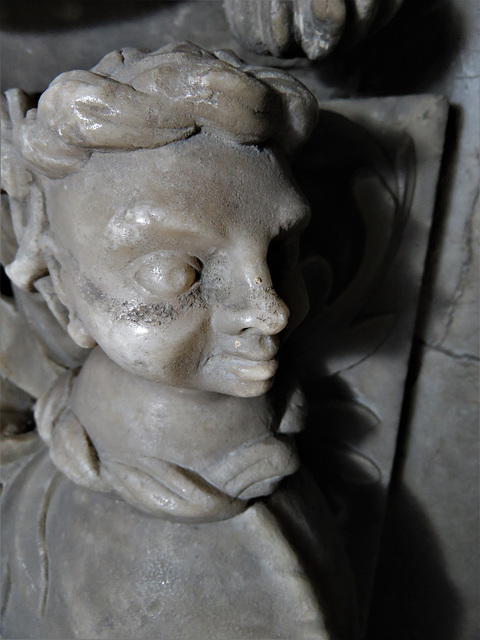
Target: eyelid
161, 254
165, 273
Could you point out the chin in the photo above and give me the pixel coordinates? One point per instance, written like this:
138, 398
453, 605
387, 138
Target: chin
244, 388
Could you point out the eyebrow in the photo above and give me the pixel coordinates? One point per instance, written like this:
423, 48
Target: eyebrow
124, 227
124, 232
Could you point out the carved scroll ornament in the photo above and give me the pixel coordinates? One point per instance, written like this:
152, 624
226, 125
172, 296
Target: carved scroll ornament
315, 28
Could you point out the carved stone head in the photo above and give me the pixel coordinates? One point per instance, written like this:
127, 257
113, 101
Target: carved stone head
153, 193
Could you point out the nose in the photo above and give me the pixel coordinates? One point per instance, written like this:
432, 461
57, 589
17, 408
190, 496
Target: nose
258, 307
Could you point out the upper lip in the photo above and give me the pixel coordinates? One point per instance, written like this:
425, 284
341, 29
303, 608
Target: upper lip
266, 349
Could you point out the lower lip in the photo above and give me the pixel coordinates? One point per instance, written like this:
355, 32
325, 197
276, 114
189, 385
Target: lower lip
254, 371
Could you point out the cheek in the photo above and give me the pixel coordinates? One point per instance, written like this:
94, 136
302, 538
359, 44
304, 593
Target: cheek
153, 344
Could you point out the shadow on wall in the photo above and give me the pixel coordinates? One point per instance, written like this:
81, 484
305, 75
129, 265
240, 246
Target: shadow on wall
408, 56
413, 597
335, 445
55, 15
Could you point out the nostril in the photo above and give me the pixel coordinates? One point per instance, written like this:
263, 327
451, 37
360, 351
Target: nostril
260, 309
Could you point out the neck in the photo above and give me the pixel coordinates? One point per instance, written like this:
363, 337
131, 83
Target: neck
152, 439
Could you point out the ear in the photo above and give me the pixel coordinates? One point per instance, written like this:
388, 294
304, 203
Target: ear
25, 212
53, 292
29, 263
33, 267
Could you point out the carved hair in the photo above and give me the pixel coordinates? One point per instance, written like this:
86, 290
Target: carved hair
134, 100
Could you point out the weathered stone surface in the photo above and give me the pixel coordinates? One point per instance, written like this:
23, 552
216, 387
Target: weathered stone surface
246, 577
436, 56
312, 27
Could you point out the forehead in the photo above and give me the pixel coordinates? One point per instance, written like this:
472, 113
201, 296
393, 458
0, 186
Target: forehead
200, 186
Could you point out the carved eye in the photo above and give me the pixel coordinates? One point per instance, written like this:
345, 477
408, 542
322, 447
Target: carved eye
166, 273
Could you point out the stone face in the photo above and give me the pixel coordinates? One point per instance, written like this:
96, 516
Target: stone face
148, 192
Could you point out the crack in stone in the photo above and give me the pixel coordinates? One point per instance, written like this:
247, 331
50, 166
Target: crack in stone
460, 285
462, 357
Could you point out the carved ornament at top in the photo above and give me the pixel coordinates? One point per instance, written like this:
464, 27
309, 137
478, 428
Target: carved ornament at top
314, 28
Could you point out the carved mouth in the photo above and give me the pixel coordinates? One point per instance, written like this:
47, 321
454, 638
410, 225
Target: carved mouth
254, 351
251, 361
252, 370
